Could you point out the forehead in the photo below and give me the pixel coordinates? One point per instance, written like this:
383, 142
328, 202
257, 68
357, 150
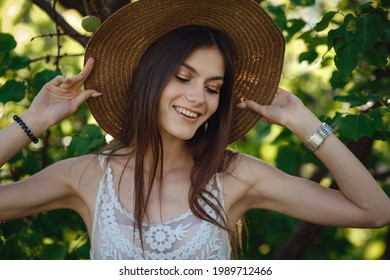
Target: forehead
207, 61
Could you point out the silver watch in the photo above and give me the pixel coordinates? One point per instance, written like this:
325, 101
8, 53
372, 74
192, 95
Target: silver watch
317, 138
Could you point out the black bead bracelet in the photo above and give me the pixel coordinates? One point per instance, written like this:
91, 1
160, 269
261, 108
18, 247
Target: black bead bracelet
26, 129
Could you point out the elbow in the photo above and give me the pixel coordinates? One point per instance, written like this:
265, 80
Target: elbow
382, 222
379, 220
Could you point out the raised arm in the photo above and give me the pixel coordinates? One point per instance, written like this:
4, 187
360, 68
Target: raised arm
55, 186
359, 203
57, 100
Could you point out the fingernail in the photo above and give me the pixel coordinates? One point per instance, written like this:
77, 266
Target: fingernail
96, 94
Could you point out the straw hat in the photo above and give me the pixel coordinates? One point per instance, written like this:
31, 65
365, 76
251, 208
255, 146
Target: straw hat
122, 39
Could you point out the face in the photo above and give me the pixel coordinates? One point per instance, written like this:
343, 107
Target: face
192, 94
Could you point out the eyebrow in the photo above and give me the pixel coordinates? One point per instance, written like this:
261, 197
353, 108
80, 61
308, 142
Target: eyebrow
192, 69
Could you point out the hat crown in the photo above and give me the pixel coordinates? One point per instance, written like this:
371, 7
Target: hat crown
123, 38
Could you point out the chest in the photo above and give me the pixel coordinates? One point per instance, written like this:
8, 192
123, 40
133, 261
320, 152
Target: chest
182, 236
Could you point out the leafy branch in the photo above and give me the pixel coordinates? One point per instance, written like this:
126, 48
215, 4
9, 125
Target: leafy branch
66, 27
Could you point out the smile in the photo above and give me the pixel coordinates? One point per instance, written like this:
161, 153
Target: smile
186, 112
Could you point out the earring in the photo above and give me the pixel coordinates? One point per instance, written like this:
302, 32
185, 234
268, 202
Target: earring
206, 126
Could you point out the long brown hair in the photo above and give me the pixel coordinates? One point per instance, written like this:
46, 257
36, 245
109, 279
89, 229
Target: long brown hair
208, 146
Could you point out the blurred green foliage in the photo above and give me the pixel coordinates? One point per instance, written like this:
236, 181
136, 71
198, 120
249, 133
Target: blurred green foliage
336, 62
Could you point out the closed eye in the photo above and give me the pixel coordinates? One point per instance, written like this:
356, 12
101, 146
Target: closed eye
212, 90
181, 79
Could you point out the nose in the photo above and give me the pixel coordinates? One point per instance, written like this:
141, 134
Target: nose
196, 95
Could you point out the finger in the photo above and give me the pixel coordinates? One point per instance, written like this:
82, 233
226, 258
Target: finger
88, 68
78, 80
82, 97
58, 80
249, 104
74, 82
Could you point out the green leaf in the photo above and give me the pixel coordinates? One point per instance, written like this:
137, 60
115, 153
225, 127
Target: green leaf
18, 62
358, 97
354, 127
381, 118
324, 22
7, 43
289, 160
88, 140
385, 3
293, 27
310, 56
377, 55
353, 100
12, 91
365, 32
54, 251
335, 34
338, 80
278, 15
386, 32
41, 78
303, 2
346, 59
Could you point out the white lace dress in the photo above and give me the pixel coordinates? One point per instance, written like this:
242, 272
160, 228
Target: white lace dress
186, 237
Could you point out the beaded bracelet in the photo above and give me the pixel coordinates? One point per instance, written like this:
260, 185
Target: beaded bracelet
26, 129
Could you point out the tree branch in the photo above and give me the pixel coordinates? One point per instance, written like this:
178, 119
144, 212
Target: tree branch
69, 30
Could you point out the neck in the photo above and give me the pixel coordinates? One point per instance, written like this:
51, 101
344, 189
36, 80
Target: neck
176, 155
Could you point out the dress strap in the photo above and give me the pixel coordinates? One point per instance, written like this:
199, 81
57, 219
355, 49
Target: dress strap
104, 164
220, 189
103, 160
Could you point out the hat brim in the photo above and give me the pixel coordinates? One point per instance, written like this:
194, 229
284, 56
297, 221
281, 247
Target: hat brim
122, 39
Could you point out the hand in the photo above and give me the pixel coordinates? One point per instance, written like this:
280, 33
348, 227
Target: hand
288, 110
281, 108
61, 97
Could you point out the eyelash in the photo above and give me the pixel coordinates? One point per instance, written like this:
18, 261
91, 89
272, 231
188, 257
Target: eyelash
210, 90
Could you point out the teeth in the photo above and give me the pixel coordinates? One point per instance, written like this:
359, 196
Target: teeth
186, 113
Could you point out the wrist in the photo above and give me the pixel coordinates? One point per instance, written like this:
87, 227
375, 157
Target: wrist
35, 122
304, 124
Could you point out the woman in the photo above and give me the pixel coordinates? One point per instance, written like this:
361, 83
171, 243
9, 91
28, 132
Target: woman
174, 82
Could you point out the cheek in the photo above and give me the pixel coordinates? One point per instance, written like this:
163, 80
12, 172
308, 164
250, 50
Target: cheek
213, 104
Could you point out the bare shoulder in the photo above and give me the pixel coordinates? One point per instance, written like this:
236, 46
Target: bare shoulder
81, 173
250, 170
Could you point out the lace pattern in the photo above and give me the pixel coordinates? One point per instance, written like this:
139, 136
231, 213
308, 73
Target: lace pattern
185, 237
